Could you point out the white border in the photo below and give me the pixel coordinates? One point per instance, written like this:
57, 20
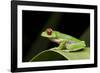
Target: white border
53, 63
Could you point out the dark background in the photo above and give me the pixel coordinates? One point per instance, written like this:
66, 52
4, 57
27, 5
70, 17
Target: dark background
35, 22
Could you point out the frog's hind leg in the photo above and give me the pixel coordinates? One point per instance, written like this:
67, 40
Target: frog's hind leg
76, 46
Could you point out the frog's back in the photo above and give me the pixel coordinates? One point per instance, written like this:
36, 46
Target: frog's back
67, 37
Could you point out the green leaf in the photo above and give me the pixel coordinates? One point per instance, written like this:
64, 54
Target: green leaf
51, 55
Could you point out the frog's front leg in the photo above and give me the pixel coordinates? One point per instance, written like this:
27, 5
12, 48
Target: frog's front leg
61, 45
76, 46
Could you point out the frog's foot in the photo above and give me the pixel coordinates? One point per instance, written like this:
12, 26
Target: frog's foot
66, 50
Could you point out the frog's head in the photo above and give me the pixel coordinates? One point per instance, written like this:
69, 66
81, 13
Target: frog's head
49, 33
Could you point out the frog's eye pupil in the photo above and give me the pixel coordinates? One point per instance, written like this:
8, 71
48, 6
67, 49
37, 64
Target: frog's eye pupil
49, 31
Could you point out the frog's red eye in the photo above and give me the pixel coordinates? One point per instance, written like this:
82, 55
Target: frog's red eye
49, 31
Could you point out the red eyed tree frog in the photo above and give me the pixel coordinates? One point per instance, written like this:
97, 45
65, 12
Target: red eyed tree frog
65, 41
